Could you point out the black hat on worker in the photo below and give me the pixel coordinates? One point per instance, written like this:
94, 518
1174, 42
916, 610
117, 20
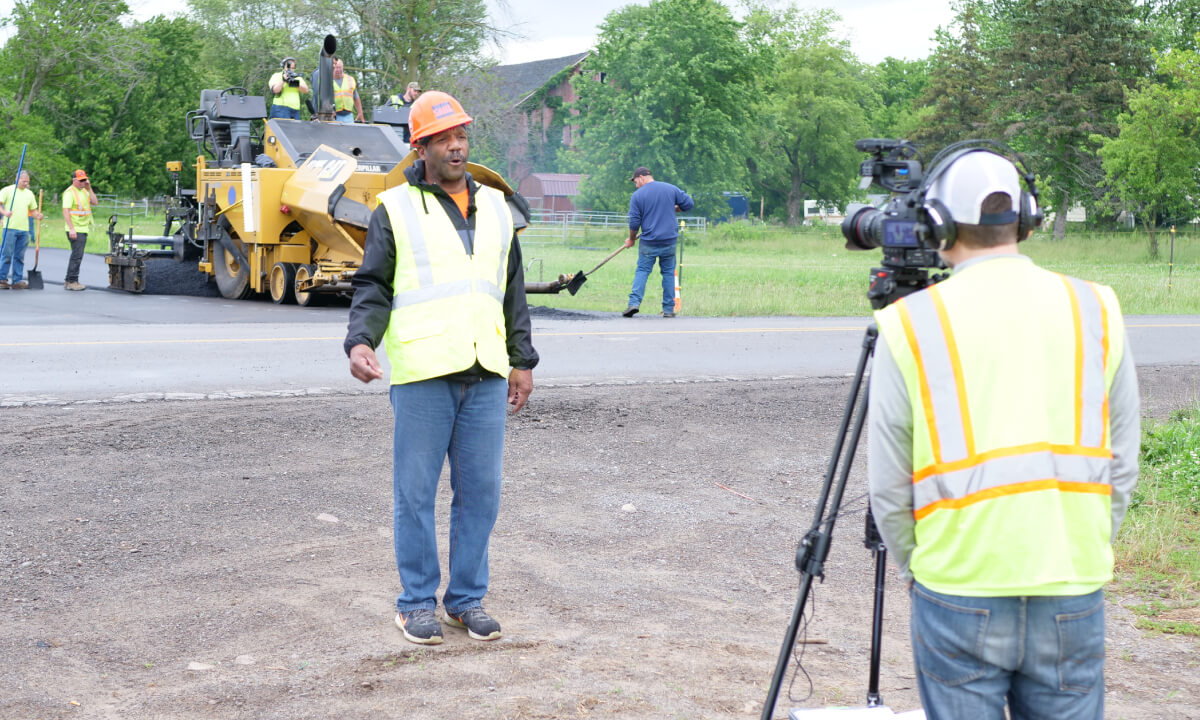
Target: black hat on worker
643, 170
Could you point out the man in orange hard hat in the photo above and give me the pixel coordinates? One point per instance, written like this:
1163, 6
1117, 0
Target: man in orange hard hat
441, 285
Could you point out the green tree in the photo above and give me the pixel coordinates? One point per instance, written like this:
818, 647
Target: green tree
809, 112
900, 84
1173, 24
140, 125
666, 87
1064, 74
1153, 165
956, 103
243, 41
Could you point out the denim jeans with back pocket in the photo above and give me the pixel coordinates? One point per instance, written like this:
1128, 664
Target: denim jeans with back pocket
1042, 656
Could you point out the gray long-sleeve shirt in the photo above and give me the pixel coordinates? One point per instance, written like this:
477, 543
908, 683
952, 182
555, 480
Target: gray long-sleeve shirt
890, 447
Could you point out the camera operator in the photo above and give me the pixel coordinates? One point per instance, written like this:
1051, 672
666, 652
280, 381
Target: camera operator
1003, 443
287, 86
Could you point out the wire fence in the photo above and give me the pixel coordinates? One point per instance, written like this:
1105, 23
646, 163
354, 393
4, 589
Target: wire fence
549, 227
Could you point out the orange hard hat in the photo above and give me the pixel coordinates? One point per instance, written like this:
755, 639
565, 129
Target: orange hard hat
433, 113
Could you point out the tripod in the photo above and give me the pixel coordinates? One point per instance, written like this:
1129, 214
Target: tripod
814, 547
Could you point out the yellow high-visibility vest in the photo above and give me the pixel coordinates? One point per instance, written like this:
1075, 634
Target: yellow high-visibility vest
80, 209
447, 310
1008, 368
343, 94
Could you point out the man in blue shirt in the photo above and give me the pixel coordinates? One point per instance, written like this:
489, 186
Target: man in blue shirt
652, 209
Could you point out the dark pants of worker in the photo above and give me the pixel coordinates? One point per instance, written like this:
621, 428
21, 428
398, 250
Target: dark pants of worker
279, 111
77, 246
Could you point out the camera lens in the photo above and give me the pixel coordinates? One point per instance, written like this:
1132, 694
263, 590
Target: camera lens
862, 227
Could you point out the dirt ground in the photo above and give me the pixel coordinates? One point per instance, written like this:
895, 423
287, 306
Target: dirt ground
233, 559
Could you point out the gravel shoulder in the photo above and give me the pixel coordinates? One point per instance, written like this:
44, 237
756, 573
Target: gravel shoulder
233, 559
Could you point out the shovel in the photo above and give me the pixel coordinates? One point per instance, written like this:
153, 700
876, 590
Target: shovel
35, 275
578, 279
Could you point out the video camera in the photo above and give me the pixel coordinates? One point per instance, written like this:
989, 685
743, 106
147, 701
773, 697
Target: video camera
898, 227
291, 77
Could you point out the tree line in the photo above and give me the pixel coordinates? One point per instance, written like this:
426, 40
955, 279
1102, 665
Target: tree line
84, 85
1100, 96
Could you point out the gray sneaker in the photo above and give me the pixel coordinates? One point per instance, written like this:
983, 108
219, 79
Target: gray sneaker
478, 624
630, 311
420, 626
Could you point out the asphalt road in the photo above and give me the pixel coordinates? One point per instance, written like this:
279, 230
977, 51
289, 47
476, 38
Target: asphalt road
100, 345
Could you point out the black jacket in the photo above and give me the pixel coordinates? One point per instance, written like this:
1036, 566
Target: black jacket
373, 292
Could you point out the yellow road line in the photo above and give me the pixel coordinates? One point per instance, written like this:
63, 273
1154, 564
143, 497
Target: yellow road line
181, 341
727, 331
595, 333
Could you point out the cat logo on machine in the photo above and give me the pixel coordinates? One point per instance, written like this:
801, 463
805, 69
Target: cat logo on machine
326, 169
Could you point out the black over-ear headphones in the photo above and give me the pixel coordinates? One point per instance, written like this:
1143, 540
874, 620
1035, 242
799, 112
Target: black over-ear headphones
937, 229
285, 61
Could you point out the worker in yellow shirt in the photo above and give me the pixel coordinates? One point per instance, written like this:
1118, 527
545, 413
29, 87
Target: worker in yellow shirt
17, 203
287, 85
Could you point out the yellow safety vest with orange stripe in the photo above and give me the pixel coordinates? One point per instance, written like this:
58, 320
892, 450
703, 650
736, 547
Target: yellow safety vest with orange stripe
1008, 368
343, 94
80, 209
448, 306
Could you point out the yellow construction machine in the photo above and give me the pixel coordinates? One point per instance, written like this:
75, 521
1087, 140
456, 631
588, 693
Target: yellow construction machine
281, 206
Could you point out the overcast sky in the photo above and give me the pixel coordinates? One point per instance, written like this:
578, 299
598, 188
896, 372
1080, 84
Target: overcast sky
875, 28
553, 28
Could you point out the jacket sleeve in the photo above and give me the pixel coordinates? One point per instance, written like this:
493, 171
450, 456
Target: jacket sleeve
684, 201
889, 458
1125, 435
635, 212
371, 308
521, 354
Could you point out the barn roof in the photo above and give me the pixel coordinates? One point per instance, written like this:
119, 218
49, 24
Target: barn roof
517, 82
563, 184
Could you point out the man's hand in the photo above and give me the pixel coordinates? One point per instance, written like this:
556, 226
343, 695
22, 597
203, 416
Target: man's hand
71, 234
364, 365
520, 384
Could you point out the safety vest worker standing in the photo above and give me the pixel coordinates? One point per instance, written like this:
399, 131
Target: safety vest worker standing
77, 202
442, 287
1003, 437
347, 106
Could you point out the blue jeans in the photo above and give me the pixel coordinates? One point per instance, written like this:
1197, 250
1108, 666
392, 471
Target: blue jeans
1044, 656
647, 254
12, 254
279, 111
435, 420
344, 117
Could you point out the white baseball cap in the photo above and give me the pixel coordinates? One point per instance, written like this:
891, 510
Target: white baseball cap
964, 185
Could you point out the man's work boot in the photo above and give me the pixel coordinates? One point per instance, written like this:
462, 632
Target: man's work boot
4, 285
21, 285
630, 311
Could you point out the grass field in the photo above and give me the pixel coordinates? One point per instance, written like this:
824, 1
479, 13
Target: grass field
1158, 551
737, 269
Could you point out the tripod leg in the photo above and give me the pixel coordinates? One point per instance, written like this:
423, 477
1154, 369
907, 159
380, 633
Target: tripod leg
874, 543
814, 547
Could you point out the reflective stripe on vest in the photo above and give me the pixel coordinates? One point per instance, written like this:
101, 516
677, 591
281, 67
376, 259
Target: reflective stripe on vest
343, 94
447, 310
83, 203
959, 474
